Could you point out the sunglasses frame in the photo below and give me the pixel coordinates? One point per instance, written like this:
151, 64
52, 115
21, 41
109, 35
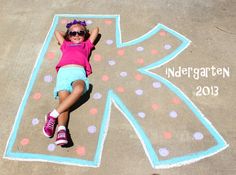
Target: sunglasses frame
79, 33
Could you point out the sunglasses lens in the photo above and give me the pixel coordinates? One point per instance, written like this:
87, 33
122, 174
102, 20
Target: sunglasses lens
81, 33
74, 33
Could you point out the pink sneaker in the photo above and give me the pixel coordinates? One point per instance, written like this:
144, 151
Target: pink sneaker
61, 138
49, 126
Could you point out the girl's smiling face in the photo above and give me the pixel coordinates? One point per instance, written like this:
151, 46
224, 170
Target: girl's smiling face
74, 36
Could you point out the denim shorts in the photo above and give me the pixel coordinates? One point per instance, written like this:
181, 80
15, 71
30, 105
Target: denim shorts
66, 76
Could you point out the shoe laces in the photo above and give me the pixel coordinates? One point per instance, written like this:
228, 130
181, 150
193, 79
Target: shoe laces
61, 134
51, 123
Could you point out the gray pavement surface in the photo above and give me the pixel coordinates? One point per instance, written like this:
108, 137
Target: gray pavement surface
209, 24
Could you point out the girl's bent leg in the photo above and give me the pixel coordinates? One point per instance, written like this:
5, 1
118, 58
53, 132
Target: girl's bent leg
69, 100
64, 116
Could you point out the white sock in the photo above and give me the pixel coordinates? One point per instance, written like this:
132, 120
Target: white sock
54, 113
61, 128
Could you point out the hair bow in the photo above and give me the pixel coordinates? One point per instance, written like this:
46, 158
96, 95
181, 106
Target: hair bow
83, 23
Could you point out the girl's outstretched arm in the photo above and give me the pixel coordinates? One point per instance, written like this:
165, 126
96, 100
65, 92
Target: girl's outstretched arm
59, 36
94, 34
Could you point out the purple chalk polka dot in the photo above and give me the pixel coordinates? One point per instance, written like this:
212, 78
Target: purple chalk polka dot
92, 129
163, 152
51, 147
35, 121
167, 46
198, 136
156, 84
173, 114
109, 42
97, 96
123, 74
141, 114
139, 92
140, 49
88, 22
111, 62
48, 78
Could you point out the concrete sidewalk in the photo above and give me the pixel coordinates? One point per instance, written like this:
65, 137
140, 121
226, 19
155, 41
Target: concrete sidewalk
210, 25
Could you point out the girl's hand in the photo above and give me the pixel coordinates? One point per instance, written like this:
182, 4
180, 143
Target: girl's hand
59, 36
94, 34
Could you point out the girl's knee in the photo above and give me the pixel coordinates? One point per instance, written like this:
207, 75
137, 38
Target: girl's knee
78, 90
63, 95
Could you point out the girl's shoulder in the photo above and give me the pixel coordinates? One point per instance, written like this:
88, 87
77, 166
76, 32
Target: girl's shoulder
65, 44
88, 43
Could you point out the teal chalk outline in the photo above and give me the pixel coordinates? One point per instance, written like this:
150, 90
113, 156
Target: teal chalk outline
112, 98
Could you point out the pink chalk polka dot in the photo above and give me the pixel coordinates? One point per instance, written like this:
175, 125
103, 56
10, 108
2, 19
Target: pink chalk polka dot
97, 57
167, 135
93, 111
138, 77
80, 150
120, 89
121, 52
162, 33
50, 55
154, 52
140, 61
155, 106
24, 141
105, 78
108, 22
64, 21
37, 96
176, 101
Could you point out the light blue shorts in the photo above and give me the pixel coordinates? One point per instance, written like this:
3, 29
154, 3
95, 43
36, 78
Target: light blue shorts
66, 76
